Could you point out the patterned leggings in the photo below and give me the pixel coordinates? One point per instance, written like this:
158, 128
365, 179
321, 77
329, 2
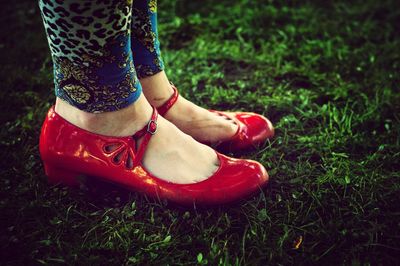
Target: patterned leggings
100, 48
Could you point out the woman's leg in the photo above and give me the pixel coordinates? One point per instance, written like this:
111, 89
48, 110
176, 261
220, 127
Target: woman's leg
97, 88
190, 118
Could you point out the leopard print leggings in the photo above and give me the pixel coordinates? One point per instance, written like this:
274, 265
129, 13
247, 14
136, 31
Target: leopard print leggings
92, 43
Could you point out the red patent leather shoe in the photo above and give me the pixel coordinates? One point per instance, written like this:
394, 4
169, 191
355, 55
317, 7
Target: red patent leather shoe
69, 152
253, 129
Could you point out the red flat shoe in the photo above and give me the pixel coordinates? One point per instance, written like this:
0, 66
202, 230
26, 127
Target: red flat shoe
69, 152
253, 129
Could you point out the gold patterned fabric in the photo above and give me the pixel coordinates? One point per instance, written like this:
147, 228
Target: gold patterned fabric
90, 43
145, 43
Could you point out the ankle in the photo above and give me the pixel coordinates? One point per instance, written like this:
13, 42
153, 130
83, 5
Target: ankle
157, 88
123, 122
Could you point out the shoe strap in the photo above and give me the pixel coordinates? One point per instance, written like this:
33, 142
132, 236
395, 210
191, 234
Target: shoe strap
163, 109
146, 132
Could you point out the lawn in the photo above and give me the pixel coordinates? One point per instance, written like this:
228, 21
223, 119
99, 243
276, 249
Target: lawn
326, 73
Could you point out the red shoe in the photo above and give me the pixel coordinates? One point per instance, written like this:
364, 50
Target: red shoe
253, 129
69, 152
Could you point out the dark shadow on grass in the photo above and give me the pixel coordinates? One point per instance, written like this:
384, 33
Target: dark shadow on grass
108, 195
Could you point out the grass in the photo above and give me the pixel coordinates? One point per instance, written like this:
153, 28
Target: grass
326, 74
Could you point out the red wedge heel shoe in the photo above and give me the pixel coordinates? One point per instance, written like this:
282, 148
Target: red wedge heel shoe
253, 129
69, 152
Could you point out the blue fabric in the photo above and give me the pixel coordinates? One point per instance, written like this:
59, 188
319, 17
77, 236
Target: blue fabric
90, 44
145, 42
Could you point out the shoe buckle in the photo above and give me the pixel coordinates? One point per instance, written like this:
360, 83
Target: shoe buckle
152, 127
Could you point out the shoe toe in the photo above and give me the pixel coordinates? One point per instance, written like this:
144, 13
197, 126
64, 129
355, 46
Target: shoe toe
253, 130
258, 128
236, 179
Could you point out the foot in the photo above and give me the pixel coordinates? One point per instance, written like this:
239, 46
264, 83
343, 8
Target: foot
171, 155
201, 124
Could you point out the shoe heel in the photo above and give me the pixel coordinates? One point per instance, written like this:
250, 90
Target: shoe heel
57, 175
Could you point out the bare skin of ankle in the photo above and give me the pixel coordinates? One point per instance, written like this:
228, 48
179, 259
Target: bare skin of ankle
171, 155
194, 120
